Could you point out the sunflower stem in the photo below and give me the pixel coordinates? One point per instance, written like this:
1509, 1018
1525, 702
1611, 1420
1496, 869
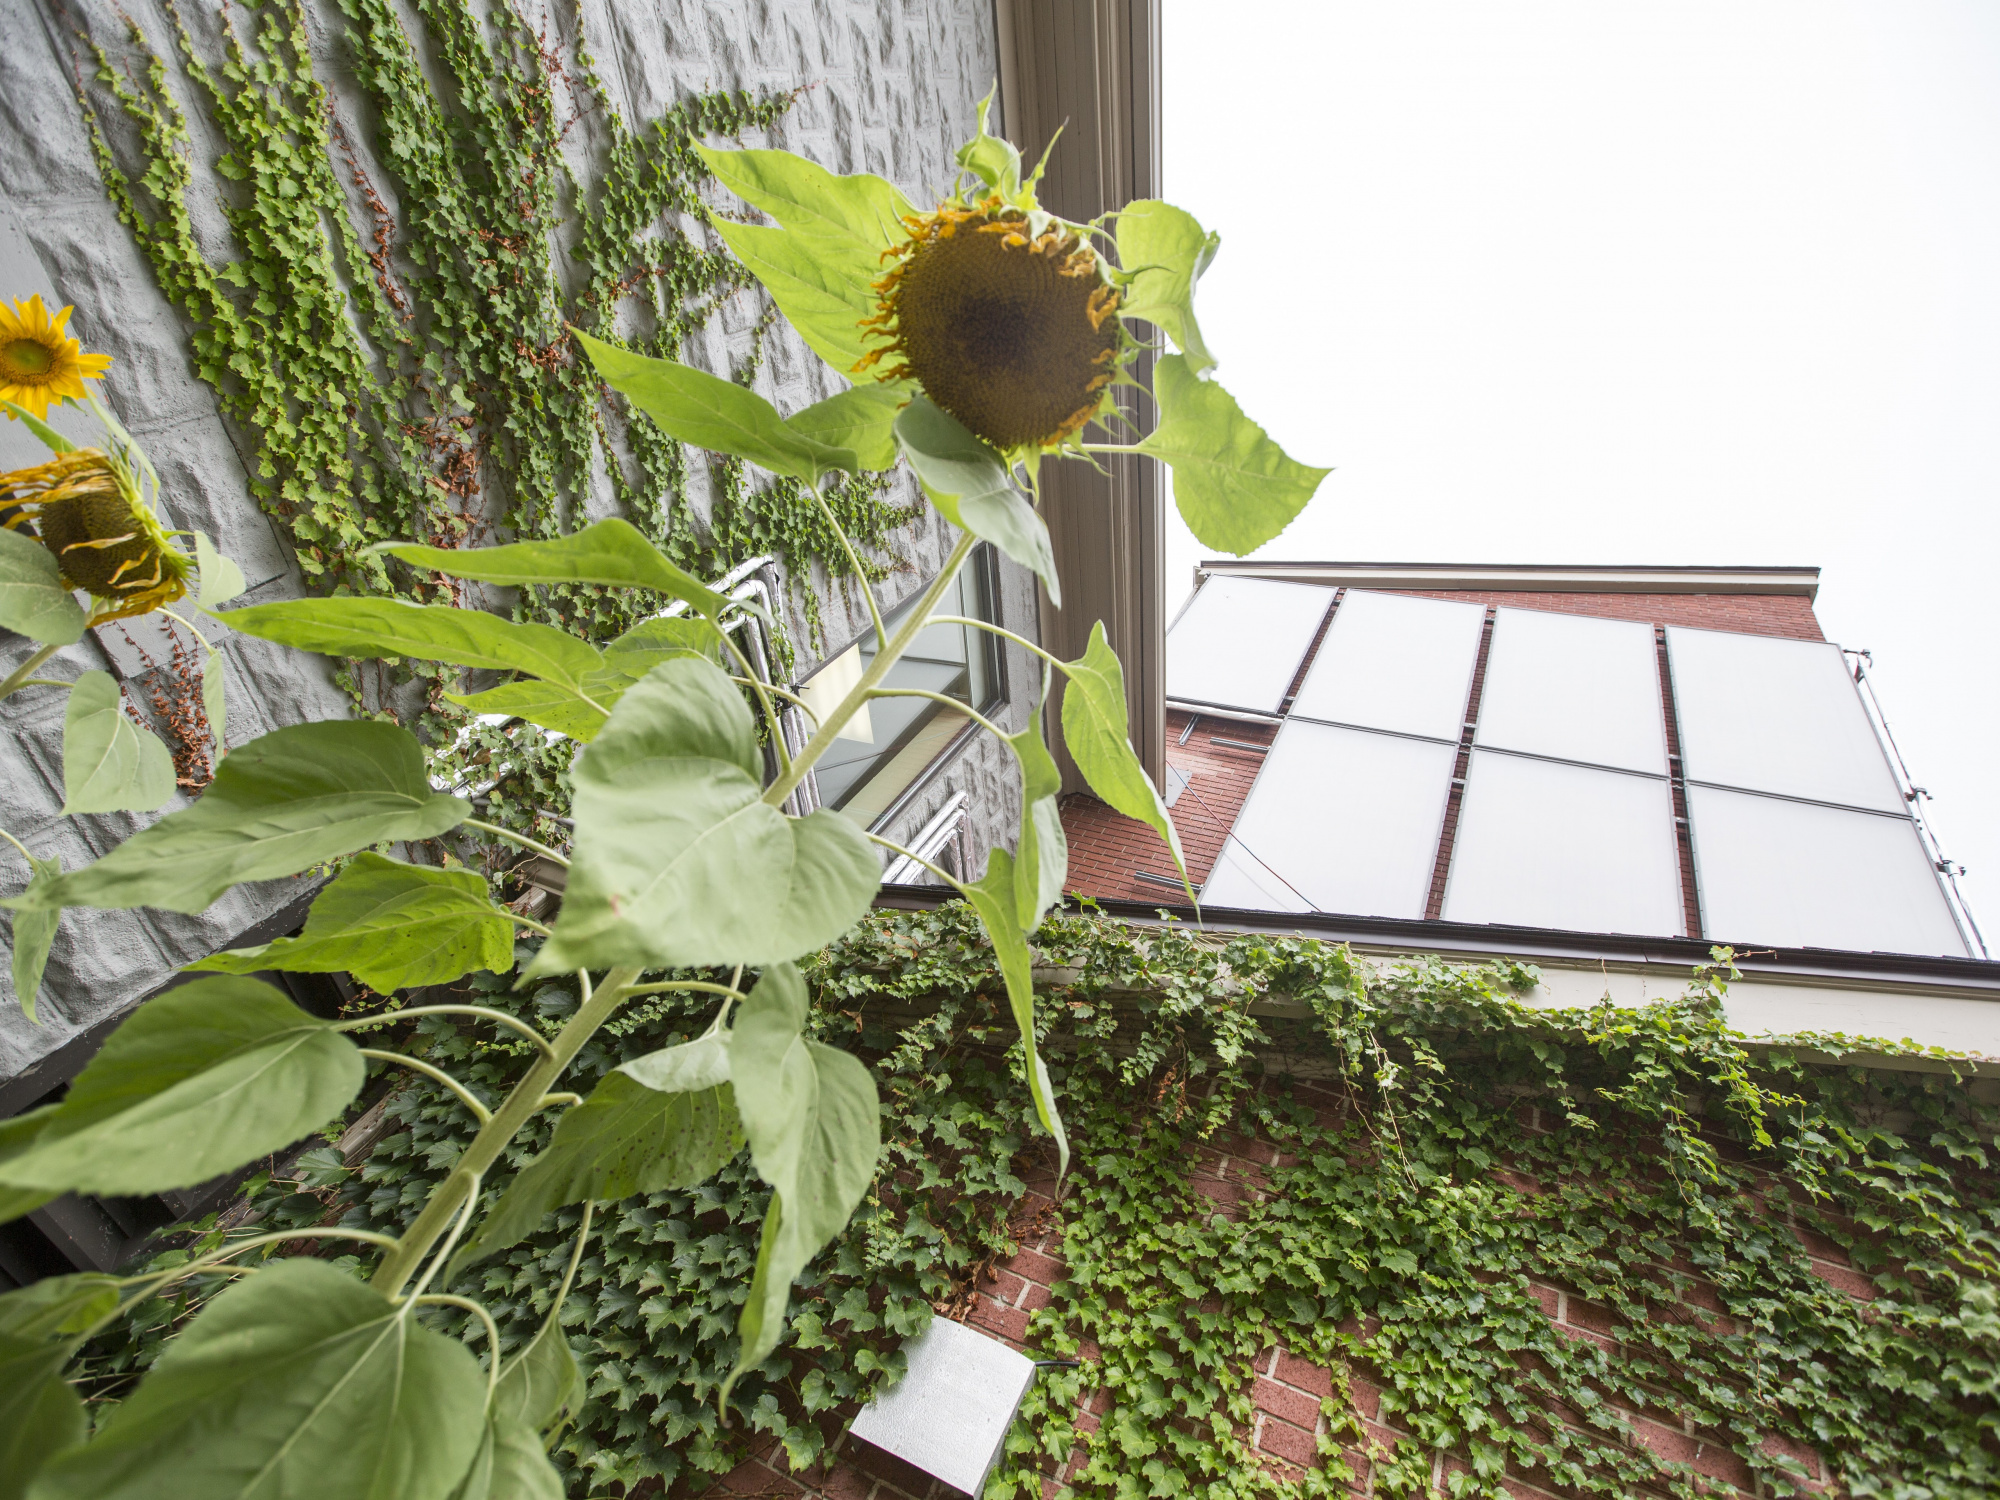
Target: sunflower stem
19, 678
854, 561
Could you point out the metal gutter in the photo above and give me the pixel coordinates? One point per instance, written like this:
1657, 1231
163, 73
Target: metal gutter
1544, 578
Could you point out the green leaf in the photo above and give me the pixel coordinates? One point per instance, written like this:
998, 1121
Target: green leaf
969, 483
220, 579
678, 860
1094, 729
392, 926
58, 1306
510, 1464
283, 803
110, 764
296, 1381
993, 160
1163, 251
815, 1130
17, 1135
1041, 857
821, 265
428, 632
214, 707
860, 420
545, 703
626, 660
695, 407
540, 1382
197, 1082
54, 441
40, 1414
666, 1120
34, 934
33, 600
995, 898
1236, 489
611, 552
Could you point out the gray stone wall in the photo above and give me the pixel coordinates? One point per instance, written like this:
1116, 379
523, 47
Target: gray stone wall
890, 87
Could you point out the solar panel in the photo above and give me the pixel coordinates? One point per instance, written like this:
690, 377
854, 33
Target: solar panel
1798, 875
1391, 662
1772, 715
1339, 820
1240, 641
1576, 688
1547, 845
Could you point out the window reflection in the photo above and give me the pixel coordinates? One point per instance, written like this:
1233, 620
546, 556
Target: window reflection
889, 744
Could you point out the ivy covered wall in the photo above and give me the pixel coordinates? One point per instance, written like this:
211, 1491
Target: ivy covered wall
333, 247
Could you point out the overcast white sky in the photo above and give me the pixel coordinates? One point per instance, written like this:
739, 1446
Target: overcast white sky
1640, 282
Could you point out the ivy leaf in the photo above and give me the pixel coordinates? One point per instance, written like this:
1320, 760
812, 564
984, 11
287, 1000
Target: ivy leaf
666, 1120
296, 1381
392, 926
220, 579
354, 626
110, 764
34, 934
860, 420
995, 898
695, 407
1163, 252
815, 1131
1094, 729
40, 1415
611, 552
678, 860
283, 803
195, 1083
59, 1306
991, 158
969, 483
214, 707
1236, 489
33, 600
1041, 857
821, 265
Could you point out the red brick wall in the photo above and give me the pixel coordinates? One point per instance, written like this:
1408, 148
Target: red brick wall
1788, 615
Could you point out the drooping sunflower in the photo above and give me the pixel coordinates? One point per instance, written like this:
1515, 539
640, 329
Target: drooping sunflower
39, 362
1013, 332
87, 507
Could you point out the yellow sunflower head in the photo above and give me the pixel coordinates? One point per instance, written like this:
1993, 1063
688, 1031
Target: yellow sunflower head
1006, 318
85, 507
39, 363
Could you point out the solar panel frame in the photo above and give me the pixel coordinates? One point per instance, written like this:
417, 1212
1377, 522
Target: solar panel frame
1239, 642
1394, 663
1574, 687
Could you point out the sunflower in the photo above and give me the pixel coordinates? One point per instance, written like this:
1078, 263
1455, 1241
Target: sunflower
39, 363
85, 506
1013, 332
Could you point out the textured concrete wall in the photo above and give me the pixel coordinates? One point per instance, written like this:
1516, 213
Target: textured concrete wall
890, 87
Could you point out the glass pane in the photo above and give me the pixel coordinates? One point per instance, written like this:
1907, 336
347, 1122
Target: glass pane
887, 746
1545, 845
1576, 688
1391, 662
1772, 715
1240, 641
1795, 875
1339, 820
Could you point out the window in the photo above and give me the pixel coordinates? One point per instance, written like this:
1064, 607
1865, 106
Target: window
886, 747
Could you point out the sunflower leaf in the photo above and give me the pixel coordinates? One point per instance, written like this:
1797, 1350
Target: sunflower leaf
54, 441
1236, 489
392, 926
214, 705
1094, 729
40, 1412
548, 704
110, 764
969, 483
33, 600
678, 860
695, 407
1163, 251
1041, 858
354, 626
861, 421
283, 803
34, 935
993, 896
612, 552
221, 580
991, 158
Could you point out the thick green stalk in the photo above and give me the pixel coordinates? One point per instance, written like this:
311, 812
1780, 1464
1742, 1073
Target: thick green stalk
885, 658
400, 1264
20, 675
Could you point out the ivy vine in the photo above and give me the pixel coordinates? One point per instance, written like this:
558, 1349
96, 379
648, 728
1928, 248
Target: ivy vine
397, 352
1443, 1149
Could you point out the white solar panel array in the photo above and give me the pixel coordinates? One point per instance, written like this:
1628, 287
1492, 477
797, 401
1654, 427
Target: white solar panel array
1799, 829
1239, 642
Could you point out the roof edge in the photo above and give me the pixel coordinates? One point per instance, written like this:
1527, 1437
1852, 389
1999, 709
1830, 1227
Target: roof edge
1570, 578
